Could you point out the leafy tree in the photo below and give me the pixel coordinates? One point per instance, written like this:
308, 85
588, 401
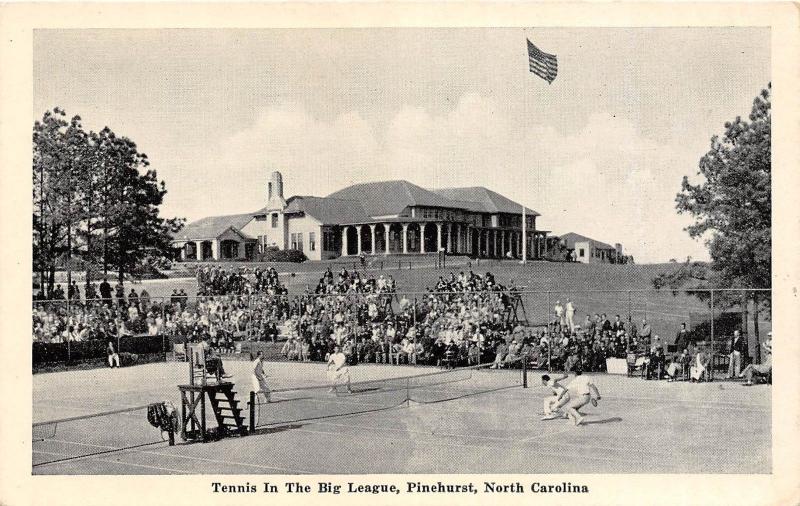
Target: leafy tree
59, 163
135, 229
95, 198
732, 208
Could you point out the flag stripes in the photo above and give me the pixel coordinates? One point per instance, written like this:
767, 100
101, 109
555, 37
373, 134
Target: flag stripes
542, 64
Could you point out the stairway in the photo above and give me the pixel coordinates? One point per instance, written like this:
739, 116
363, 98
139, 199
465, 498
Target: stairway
227, 411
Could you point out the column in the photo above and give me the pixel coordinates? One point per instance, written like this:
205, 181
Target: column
494, 242
358, 239
198, 251
386, 234
405, 237
215, 249
372, 232
503, 244
439, 237
422, 237
450, 245
459, 246
344, 241
183, 252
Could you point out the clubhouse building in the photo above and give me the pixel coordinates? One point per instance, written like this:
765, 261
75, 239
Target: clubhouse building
380, 218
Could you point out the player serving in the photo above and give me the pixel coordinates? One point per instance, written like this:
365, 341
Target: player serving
338, 370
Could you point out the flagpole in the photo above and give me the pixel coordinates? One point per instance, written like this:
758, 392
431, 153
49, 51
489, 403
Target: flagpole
524, 238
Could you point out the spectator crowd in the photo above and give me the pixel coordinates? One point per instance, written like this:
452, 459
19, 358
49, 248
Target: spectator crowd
464, 319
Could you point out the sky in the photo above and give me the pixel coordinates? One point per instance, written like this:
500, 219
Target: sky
601, 151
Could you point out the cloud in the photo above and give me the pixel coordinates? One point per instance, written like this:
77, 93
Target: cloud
605, 180
609, 182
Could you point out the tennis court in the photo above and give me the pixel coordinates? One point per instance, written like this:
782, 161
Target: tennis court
477, 421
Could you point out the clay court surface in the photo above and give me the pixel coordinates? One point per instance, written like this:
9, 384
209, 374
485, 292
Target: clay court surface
639, 426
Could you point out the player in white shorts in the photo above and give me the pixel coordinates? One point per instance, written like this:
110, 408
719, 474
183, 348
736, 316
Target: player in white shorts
338, 370
582, 391
552, 404
259, 377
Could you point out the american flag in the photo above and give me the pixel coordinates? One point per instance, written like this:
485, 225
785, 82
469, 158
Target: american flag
542, 64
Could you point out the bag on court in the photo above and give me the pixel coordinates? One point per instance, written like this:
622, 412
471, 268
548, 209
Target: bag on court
159, 416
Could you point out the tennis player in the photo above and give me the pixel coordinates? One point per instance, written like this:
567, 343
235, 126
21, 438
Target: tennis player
553, 403
259, 377
582, 391
338, 370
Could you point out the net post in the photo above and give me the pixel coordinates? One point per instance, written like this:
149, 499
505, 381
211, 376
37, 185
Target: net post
252, 406
524, 372
171, 434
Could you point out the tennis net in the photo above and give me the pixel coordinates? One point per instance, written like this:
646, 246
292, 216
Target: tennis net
314, 402
78, 437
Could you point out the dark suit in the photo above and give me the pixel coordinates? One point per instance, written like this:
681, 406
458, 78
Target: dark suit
682, 340
738, 350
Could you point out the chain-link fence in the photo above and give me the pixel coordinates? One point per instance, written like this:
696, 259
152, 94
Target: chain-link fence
153, 325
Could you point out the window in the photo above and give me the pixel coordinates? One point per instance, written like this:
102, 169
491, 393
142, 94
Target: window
580, 252
312, 241
274, 220
293, 241
328, 241
299, 242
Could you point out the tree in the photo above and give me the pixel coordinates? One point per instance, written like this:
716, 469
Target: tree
60, 155
92, 189
732, 207
135, 229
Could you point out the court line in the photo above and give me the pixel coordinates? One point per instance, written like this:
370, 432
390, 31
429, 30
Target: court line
512, 440
534, 438
176, 455
91, 457
409, 431
456, 445
702, 403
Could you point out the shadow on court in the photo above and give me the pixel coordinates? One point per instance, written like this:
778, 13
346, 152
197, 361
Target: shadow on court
603, 420
275, 430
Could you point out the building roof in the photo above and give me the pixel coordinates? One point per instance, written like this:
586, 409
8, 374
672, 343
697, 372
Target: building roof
571, 238
327, 210
364, 203
212, 227
487, 200
386, 198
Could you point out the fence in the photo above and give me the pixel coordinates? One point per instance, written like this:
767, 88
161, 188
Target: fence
710, 315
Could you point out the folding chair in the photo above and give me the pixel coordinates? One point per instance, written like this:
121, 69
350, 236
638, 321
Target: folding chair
179, 350
635, 362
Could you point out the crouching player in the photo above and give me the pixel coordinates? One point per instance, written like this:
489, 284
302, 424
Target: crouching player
582, 391
553, 403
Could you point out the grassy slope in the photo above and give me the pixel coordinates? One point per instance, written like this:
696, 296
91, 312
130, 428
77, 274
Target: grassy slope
593, 289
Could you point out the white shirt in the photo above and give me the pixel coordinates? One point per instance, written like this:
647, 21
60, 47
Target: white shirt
580, 385
258, 368
555, 386
338, 360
